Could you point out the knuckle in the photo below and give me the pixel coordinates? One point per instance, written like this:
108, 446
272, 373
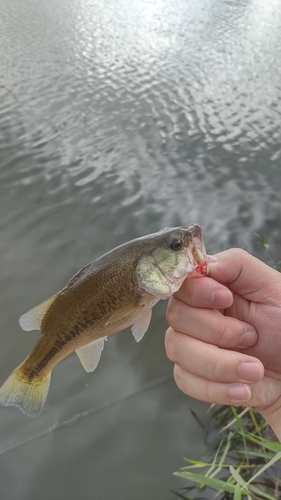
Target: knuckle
222, 336
241, 254
229, 333
216, 367
238, 251
209, 396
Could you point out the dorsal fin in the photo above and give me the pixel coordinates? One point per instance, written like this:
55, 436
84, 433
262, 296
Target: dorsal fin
33, 318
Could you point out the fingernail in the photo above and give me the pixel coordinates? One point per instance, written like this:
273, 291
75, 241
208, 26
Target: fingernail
222, 298
239, 392
248, 338
250, 371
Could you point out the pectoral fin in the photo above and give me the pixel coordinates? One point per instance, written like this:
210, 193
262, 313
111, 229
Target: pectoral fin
122, 314
33, 318
90, 354
141, 325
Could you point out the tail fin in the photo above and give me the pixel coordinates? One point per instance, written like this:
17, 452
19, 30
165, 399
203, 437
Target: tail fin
28, 395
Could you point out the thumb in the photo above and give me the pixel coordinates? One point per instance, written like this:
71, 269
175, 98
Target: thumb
247, 276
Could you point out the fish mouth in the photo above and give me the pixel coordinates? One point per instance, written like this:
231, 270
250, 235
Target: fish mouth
196, 252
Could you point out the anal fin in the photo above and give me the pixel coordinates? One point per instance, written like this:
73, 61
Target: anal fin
90, 354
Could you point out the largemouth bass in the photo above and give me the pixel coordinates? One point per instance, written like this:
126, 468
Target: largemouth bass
117, 290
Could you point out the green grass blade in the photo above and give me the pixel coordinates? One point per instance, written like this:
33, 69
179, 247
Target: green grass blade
265, 443
256, 454
237, 492
257, 427
198, 466
214, 469
261, 493
265, 467
239, 479
199, 463
197, 419
217, 467
216, 484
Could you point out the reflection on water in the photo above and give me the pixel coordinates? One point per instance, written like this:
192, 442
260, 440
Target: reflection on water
118, 119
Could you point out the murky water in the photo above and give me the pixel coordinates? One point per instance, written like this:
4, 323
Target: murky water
119, 118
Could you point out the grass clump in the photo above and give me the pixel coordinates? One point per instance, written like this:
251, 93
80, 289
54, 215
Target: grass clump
246, 461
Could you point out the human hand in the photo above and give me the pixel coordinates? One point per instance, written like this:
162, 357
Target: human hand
225, 335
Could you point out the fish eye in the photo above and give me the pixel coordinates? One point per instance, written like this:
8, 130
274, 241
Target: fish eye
175, 243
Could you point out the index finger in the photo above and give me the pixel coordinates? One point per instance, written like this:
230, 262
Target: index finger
246, 275
204, 292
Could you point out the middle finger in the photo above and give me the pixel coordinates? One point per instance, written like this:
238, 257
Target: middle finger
210, 325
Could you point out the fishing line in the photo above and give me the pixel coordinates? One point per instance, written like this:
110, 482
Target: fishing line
84, 414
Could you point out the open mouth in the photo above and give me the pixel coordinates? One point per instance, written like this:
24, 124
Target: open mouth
197, 253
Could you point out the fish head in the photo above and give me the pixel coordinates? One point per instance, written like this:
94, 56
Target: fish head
175, 254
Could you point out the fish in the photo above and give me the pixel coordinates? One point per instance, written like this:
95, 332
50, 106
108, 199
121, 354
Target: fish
115, 291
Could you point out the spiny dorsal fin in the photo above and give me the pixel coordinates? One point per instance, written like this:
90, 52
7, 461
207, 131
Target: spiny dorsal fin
90, 354
33, 318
